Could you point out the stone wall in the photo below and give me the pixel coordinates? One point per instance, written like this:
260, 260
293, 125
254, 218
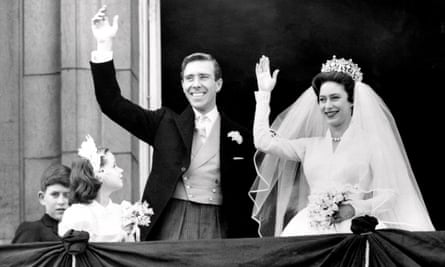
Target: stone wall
47, 102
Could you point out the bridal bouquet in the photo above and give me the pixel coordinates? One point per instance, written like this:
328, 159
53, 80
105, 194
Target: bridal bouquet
138, 213
323, 205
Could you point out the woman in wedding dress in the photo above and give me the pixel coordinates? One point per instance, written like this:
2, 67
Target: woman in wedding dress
333, 155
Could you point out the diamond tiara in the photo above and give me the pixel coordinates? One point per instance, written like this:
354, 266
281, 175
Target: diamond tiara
345, 66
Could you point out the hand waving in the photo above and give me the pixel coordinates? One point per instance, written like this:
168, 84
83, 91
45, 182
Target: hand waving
265, 81
102, 30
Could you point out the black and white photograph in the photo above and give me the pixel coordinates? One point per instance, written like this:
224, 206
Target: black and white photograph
221, 133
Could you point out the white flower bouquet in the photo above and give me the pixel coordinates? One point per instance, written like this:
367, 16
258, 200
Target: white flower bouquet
323, 206
136, 214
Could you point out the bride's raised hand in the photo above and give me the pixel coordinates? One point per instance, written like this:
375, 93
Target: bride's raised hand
103, 31
266, 81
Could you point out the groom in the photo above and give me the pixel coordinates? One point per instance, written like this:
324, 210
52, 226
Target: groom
202, 162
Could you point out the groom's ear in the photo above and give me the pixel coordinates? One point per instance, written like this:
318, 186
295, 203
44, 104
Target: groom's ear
219, 84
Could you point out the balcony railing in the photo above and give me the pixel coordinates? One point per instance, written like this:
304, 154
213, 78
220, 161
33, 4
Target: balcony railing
379, 248
388, 247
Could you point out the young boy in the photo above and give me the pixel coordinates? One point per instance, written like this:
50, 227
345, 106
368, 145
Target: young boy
53, 195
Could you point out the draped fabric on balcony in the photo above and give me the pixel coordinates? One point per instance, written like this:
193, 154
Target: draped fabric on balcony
386, 248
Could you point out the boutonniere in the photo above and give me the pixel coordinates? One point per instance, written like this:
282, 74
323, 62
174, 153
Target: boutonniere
236, 136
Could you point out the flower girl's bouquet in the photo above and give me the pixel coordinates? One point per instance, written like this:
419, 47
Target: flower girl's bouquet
137, 214
323, 205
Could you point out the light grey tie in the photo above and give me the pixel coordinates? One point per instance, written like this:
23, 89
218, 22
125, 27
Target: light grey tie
201, 126
200, 134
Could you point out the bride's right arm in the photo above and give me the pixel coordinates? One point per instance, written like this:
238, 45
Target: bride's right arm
264, 139
267, 141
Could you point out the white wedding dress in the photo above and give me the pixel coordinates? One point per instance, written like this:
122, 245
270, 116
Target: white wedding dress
299, 161
325, 169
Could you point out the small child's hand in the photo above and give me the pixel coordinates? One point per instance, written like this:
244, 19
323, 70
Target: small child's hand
132, 232
129, 228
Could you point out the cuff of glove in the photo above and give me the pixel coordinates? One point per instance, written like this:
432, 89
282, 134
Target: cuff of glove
99, 56
262, 96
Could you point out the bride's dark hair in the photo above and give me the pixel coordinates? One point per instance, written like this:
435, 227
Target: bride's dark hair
334, 76
84, 184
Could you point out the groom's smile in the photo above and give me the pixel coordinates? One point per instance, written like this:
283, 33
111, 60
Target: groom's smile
199, 85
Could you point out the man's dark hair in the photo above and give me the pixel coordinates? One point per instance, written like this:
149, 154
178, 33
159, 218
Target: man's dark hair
55, 174
201, 57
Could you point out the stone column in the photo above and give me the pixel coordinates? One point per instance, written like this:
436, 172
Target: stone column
41, 97
10, 118
47, 102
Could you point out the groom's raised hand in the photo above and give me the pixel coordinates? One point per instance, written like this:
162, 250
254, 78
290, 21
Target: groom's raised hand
103, 31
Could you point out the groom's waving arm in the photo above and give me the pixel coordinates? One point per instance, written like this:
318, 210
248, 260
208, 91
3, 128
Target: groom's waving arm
140, 122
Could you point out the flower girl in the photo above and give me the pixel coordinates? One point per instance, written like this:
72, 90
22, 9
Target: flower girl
95, 175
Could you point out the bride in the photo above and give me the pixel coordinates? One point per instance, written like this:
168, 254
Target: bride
333, 155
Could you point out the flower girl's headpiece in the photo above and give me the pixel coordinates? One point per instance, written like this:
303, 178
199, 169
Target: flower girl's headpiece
88, 150
345, 66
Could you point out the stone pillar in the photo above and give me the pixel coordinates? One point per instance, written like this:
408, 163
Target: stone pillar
41, 97
47, 102
10, 118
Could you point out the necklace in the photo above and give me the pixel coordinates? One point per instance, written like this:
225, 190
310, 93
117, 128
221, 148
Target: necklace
336, 139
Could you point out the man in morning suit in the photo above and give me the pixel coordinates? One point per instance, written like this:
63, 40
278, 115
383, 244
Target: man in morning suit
202, 162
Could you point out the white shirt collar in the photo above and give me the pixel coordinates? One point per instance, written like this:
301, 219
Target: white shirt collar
212, 115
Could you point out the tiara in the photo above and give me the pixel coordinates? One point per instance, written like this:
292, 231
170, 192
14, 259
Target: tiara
88, 150
345, 66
